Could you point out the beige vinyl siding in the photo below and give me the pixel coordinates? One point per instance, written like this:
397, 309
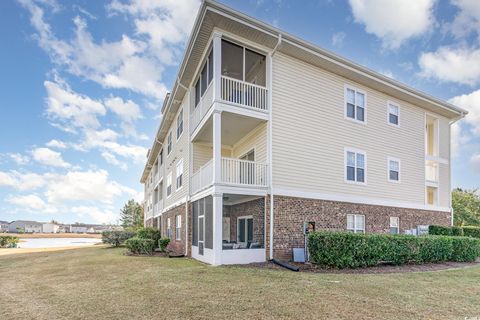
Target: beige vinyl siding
180, 150
203, 153
310, 132
255, 139
444, 137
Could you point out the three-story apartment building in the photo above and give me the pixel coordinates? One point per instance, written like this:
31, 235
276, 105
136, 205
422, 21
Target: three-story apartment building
263, 132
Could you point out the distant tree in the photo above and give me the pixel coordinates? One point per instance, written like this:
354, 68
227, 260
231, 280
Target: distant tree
466, 207
131, 216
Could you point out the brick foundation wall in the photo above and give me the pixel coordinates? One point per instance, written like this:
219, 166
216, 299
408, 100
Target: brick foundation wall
148, 223
254, 208
290, 213
175, 245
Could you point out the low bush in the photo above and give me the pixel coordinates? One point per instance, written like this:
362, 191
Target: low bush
149, 233
471, 232
163, 243
457, 231
465, 249
116, 238
350, 250
8, 242
439, 230
140, 246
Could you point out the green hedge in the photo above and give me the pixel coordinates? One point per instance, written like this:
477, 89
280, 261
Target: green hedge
468, 231
140, 246
149, 233
471, 232
116, 238
163, 243
8, 241
350, 250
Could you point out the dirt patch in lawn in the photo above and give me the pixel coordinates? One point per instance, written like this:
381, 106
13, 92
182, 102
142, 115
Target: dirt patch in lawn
308, 267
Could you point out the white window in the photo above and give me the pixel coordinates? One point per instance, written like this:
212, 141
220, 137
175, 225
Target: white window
355, 104
355, 166
178, 227
394, 225
356, 223
169, 143
169, 184
393, 170
179, 174
160, 157
180, 124
393, 114
169, 228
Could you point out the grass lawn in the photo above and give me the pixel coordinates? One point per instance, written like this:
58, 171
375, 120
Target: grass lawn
102, 283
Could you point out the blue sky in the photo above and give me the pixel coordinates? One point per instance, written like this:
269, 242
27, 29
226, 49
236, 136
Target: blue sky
82, 83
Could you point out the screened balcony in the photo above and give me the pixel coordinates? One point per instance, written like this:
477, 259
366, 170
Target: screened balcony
241, 81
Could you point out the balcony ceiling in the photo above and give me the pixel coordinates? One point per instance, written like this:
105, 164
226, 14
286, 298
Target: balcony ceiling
234, 128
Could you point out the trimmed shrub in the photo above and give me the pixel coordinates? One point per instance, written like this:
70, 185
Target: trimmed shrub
439, 230
149, 233
457, 231
350, 250
116, 238
8, 241
465, 249
471, 232
163, 243
140, 245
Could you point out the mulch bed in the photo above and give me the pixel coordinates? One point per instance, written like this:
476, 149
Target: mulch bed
312, 268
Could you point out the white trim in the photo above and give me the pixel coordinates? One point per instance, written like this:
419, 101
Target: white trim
169, 176
285, 191
180, 162
356, 151
389, 102
355, 120
178, 235
174, 205
355, 230
169, 135
183, 123
246, 228
398, 224
399, 170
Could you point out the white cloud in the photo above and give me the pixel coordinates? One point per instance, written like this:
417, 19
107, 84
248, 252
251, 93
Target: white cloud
56, 144
470, 102
24, 180
32, 202
475, 162
71, 108
18, 158
467, 20
338, 38
110, 158
49, 157
394, 21
461, 65
128, 110
92, 186
96, 214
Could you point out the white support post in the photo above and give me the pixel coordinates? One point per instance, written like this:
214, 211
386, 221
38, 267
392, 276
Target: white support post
217, 65
217, 146
217, 228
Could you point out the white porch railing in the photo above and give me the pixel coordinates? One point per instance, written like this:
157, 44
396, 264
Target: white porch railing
244, 172
431, 172
202, 108
203, 177
244, 93
158, 207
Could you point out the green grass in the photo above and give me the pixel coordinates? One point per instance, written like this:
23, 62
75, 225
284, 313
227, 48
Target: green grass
102, 283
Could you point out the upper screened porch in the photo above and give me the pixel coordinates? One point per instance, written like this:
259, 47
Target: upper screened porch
232, 77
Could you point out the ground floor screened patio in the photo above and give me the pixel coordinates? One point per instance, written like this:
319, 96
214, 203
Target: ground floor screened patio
228, 229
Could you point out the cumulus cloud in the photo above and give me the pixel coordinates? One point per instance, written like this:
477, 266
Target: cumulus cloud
110, 158
394, 21
467, 20
56, 144
48, 157
104, 216
19, 158
470, 102
32, 202
338, 38
460, 65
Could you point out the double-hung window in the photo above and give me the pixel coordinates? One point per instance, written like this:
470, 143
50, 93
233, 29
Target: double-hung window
393, 114
179, 174
393, 170
169, 143
355, 104
169, 228
180, 124
355, 166
394, 225
204, 78
178, 227
356, 223
169, 185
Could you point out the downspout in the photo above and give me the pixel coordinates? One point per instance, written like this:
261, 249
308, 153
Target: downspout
279, 42
461, 116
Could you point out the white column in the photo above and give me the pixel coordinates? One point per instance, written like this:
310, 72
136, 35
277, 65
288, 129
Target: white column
217, 146
217, 227
217, 65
